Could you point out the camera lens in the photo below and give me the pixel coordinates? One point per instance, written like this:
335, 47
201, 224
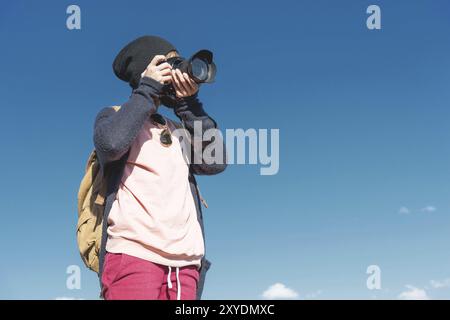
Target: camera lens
199, 69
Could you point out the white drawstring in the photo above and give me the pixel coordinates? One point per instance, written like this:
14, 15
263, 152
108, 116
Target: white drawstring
169, 282
178, 285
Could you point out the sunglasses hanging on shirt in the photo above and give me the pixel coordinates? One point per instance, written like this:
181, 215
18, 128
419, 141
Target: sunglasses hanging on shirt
165, 136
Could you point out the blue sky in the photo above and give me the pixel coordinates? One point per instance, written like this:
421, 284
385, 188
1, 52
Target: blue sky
364, 131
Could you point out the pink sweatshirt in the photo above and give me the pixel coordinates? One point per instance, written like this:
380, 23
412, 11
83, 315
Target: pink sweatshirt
153, 216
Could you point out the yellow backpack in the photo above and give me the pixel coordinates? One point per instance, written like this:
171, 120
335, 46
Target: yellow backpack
91, 205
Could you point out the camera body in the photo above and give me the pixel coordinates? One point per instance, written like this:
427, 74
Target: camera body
200, 67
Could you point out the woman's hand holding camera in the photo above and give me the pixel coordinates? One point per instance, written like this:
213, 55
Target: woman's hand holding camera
159, 70
183, 84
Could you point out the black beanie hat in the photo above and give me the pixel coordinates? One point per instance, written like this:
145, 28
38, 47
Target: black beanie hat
135, 57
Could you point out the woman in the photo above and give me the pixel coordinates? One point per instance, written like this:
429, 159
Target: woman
153, 247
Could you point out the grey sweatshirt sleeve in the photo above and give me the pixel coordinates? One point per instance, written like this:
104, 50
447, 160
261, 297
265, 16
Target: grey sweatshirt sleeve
189, 110
114, 132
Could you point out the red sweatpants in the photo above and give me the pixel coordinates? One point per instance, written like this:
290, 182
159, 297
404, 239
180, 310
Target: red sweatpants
130, 278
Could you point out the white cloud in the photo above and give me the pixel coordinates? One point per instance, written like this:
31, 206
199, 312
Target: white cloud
440, 284
404, 210
413, 293
279, 291
429, 209
314, 294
